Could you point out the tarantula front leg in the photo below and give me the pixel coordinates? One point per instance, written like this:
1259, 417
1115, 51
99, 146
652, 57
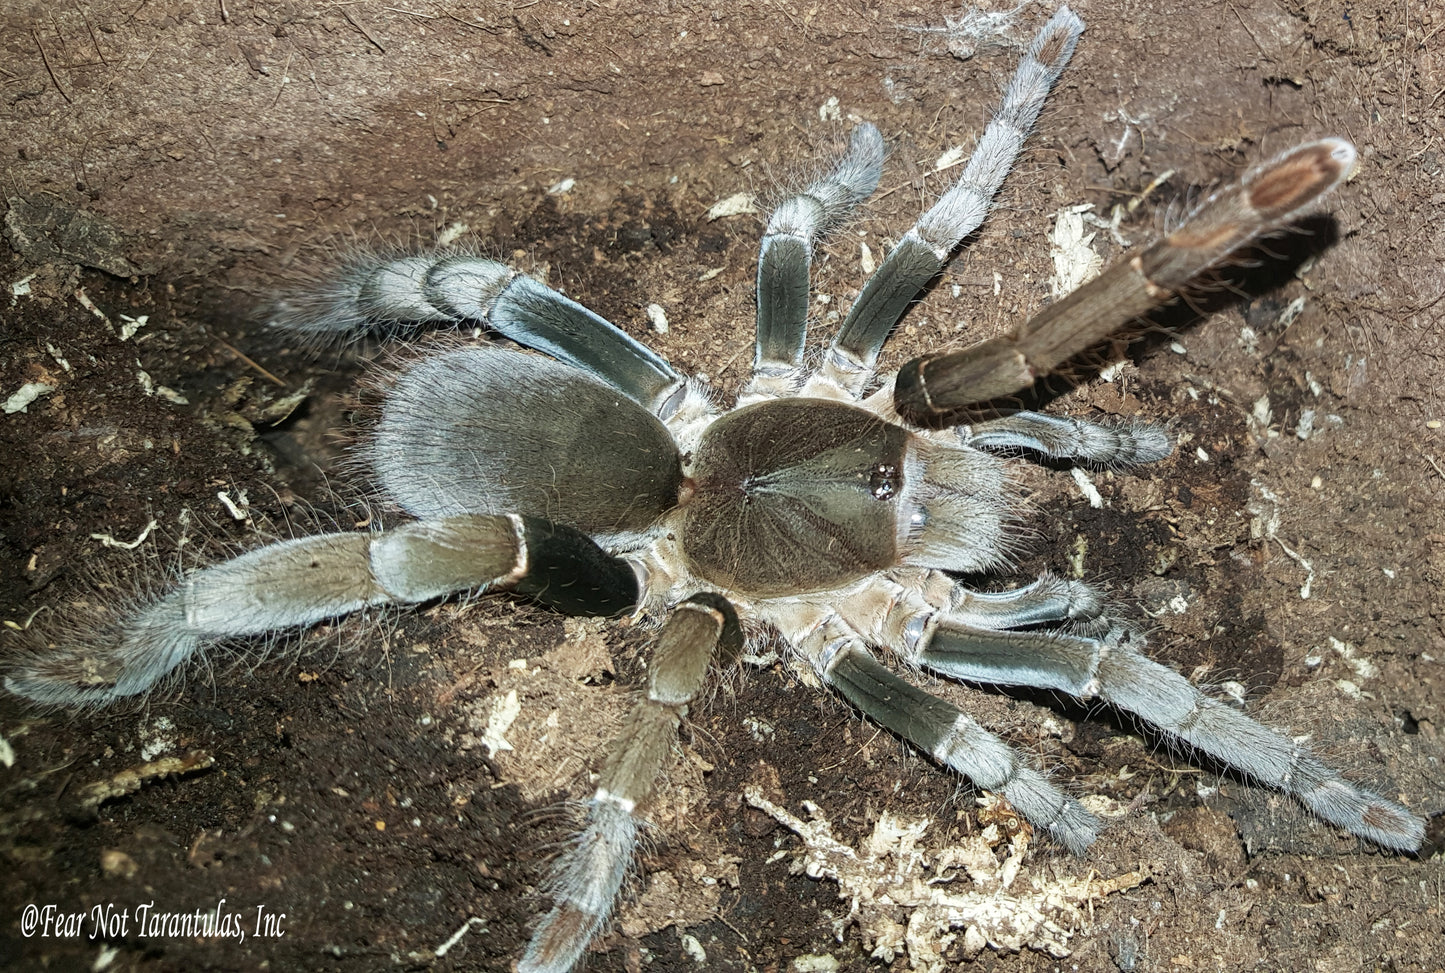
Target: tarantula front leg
372, 290
946, 733
589, 876
924, 249
1214, 233
299, 582
1112, 668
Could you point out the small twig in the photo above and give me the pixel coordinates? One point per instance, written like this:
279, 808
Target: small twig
284, 80
91, 30
364, 32
110, 541
1240, 18
48, 69
414, 13
456, 937
248, 360
1307, 587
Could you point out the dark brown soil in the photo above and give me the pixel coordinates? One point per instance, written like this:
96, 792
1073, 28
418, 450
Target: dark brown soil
181, 162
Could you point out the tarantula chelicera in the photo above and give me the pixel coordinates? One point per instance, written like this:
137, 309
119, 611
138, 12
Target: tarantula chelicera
818, 510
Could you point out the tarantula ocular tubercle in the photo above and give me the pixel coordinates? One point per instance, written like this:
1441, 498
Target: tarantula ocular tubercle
599, 481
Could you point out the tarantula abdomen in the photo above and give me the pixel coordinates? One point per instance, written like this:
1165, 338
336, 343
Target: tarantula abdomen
486, 429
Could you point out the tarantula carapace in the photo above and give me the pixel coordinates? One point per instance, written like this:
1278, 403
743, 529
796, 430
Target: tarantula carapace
818, 510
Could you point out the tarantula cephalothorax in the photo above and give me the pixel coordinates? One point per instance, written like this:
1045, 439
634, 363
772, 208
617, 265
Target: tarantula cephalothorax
599, 481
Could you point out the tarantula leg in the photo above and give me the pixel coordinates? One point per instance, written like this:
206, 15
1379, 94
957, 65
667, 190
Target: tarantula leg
952, 738
958, 647
1112, 669
1066, 438
786, 254
1047, 600
299, 582
921, 253
458, 289
1226, 222
589, 876
564, 569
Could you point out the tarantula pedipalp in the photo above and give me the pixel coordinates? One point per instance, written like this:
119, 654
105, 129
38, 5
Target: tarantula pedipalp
600, 481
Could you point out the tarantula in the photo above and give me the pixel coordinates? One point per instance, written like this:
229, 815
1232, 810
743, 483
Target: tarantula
597, 480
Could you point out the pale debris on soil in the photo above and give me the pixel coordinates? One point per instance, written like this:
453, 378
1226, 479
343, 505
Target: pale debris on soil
1264, 525
502, 713
28, 393
1076, 262
737, 204
548, 732
894, 871
531, 719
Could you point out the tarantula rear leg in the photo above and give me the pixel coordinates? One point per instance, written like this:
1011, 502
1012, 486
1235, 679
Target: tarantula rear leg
1112, 669
373, 290
1226, 222
703, 628
946, 733
303, 581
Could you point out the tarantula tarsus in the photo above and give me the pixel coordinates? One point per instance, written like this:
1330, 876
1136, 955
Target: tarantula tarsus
599, 481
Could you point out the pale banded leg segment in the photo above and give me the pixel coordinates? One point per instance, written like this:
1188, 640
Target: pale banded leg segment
1113, 669
1265, 200
1048, 600
786, 255
953, 739
1066, 438
373, 290
303, 581
702, 629
924, 249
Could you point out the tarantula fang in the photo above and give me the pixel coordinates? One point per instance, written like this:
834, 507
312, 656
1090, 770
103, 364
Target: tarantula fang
597, 480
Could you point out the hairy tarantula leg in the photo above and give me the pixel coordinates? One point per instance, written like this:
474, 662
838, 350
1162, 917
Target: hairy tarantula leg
589, 876
786, 253
1049, 599
1064, 437
1265, 200
921, 253
953, 739
1113, 670
307, 580
372, 290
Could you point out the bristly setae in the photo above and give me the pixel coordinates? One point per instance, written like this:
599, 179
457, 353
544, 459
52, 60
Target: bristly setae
828, 507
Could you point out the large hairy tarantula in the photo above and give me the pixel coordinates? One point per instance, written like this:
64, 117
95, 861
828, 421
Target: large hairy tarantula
829, 507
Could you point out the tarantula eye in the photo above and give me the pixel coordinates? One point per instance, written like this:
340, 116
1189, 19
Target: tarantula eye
883, 481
